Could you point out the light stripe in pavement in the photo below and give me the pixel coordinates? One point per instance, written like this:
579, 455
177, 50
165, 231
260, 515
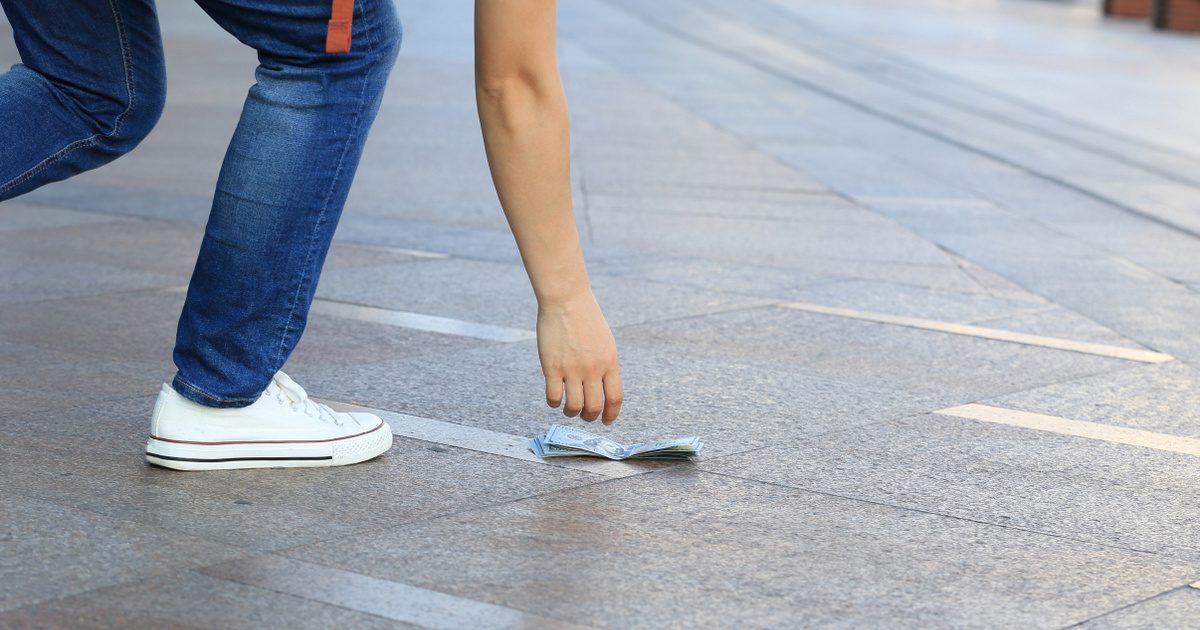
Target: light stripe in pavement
375, 596
1116, 352
416, 253
485, 441
419, 321
1077, 428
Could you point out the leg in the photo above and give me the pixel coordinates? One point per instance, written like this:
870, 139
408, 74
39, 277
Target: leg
280, 193
91, 85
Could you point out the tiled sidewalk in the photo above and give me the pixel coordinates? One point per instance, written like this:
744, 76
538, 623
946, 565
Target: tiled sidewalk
813, 226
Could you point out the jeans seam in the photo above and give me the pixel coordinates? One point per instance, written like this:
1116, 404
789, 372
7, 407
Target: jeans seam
44, 164
130, 90
210, 396
287, 328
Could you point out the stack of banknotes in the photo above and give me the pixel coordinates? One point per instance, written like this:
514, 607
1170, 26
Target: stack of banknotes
560, 441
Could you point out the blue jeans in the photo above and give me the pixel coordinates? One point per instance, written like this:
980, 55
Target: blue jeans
92, 85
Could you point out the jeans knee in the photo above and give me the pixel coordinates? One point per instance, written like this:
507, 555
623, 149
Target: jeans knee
143, 108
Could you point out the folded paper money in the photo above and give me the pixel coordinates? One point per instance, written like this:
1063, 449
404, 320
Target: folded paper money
561, 441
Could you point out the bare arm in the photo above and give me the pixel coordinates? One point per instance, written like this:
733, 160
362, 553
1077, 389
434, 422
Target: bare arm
523, 112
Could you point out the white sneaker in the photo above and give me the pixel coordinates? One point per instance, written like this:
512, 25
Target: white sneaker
282, 428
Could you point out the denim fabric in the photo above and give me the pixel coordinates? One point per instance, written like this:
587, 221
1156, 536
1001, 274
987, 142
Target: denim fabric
92, 84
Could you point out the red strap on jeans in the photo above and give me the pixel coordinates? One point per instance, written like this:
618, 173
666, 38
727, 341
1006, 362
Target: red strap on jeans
337, 38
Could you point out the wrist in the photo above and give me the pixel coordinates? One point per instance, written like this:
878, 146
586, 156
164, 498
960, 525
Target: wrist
565, 298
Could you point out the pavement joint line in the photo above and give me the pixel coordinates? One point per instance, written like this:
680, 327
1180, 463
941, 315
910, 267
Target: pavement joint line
418, 253
1075, 428
379, 597
995, 334
420, 321
781, 69
487, 441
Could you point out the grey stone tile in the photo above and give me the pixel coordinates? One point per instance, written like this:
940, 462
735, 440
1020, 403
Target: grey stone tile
733, 404
150, 246
1056, 321
481, 244
97, 451
1164, 398
336, 342
842, 167
55, 550
388, 599
880, 355
765, 242
130, 326
42, 379
499, 294
96, 194
910, 301
709, 274
42, 277
1177, 608
808, 208
697, 549
1112, 494
141, 327
344, 254
16, 215
187, 599
645, 173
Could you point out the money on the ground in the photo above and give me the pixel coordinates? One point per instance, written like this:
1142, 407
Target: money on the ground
563, 441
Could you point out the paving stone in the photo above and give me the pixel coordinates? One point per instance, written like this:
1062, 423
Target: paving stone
917, 302
97, 451
344, 254
481, 244
710, 275
734, 405
132, 326
54, 550
1177, 608
392, 600
1056, 321
104, 197
721, 554
841, 168
141, 327
805, 207
155, 247
764, 242
499, 294
42, 379
44, 278
187, 599
1111, 494
868, 353
15, 215
1164, 398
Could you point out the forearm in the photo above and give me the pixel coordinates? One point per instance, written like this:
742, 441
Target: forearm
526, 133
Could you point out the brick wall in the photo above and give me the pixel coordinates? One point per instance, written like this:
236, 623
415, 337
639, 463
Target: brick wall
1128, 8
1177, 15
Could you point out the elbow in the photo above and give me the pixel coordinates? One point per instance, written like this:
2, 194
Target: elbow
517, 89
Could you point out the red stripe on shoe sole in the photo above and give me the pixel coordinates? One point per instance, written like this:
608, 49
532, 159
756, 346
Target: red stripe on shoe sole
347, 437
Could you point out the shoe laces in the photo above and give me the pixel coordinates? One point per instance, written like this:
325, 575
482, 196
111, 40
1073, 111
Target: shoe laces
289, 392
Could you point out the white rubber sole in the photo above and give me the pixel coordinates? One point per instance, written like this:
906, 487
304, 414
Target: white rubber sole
181, 455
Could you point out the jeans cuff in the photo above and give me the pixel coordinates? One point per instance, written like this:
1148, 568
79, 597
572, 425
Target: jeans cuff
199, 396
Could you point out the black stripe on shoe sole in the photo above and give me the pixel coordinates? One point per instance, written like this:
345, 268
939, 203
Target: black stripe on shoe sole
236, 459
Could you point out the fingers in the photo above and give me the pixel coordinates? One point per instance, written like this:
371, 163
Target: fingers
575, 398
614, 395
554, 391
593, 399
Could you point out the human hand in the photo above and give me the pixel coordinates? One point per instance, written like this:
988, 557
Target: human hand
578, 354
